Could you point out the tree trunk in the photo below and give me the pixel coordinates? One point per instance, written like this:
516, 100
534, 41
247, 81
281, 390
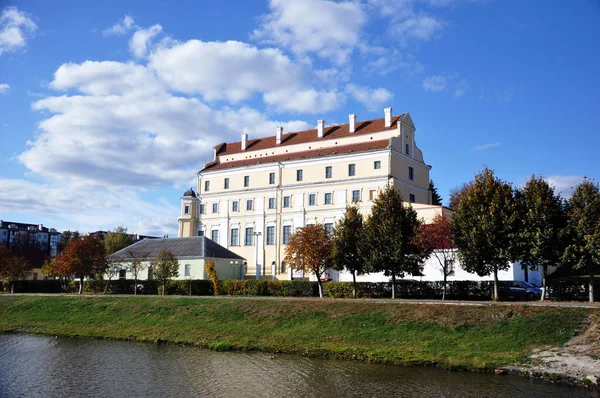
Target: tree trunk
393, 286
495, 284
135, 285
544, 271
354, 284
526, 271
81, 285
591, 289
164, 288
106, 286
12, 287
320, 287
444, 291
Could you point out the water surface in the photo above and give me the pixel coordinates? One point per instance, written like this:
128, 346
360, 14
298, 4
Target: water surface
42, 366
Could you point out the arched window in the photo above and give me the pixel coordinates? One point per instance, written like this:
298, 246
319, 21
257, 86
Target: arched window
282, 267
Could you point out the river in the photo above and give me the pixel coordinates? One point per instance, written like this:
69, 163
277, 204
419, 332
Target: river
43, 366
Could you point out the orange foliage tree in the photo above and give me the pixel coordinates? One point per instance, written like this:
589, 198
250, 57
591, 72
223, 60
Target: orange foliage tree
309, 250
438, 238
81, 257
12, 267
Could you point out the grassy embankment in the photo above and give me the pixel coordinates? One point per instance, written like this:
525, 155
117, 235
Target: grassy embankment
445, 335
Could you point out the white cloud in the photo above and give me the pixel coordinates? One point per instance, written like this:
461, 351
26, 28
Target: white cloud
141, 40
121, 27
435, 83
4, 88
419, 27
460, 88
373, 99
564, 184
326, 28
483, 147
16, 27
381, 60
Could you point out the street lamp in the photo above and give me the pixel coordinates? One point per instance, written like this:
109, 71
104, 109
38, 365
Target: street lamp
256, 235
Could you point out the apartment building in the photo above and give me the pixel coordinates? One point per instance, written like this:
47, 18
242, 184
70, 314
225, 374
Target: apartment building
257, 192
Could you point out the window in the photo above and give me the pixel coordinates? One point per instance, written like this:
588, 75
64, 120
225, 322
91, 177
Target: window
249, 204
298, 175
270, 235
411, 173
287, 231
377, 164
186, 272
407, 149
202, 209
271, 203
226, 183
412, 198
282, 267
356, 196
200, 232
372, 194
235, 206
312, 199
186, 209
206, 186
249, 236
234, 240
449, 266
328, 200
286, 201
271, 178
351, 169
329, 228
328, 172
215, 208
246, 181
214, 235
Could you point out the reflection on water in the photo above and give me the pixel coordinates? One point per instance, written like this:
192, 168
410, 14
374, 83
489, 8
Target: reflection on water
41, 366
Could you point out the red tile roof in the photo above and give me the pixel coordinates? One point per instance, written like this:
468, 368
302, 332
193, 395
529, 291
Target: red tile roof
300, 137
315, 153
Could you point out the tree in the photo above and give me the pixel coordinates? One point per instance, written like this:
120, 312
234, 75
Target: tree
82, 257
66, 237
391, 238
12, 267
165, 266
543, 220
346, 250
209, 267
117, 239
457, 193
309, 250
438, 238
436, 199
583, 250
136, 265
485, 226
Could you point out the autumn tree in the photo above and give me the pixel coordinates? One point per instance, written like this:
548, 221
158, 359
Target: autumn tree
543, 220
457, 193
53, 268
136, 265
346, 244
165, 266
309, 250
82, 257
117, 239
12, 267
583, 249
391, 235
66, 237
436, 199
484, 226
438, 238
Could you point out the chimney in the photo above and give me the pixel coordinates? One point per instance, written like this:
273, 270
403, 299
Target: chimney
352, 125
244, 141
388, 117
320, 127
41, 227
279, 135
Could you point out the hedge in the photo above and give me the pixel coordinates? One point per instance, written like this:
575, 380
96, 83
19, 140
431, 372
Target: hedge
559, 290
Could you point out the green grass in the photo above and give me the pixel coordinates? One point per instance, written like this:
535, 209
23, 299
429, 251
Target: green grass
450, 336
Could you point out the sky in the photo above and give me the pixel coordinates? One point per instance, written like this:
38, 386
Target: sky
108, 109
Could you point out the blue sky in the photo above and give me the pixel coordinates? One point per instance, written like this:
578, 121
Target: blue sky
107, 109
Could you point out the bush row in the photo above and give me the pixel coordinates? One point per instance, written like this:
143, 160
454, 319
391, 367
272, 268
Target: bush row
562, 290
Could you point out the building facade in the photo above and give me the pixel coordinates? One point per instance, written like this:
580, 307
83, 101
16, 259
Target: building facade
257, 192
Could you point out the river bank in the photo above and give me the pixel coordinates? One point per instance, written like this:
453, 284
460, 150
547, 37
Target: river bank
482, 338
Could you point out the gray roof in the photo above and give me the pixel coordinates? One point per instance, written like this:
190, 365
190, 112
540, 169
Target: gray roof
190, 192
192, 247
